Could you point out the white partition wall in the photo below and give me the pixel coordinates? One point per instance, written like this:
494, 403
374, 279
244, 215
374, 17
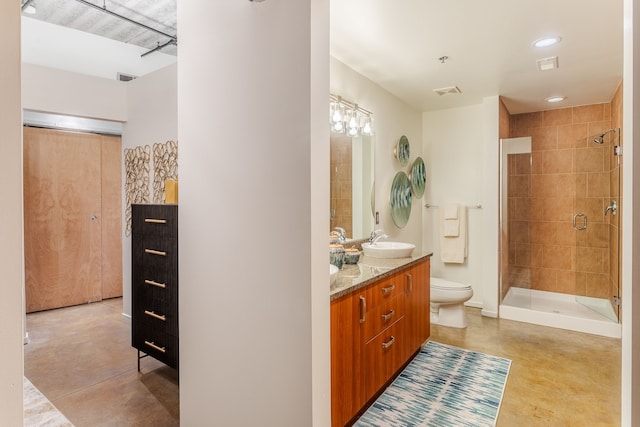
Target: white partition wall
254, 294
11, 264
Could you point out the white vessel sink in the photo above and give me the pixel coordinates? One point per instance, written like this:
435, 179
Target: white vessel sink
333, 273
388, 249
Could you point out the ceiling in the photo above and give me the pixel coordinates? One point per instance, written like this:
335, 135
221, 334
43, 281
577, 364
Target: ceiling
398, 45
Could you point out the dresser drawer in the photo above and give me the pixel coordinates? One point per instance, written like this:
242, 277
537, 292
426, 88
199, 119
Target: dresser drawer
161, 316
382, 315
158, 344
155, 220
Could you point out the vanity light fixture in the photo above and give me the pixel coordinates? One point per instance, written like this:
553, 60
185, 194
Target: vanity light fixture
553, 99
547, 41
347, 117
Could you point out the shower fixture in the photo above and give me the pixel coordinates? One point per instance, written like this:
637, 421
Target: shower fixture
600, 138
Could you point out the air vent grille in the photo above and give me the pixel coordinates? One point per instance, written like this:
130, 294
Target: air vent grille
125, 77
452, 90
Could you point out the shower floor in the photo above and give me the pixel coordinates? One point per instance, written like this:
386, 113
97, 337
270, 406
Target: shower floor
560, 311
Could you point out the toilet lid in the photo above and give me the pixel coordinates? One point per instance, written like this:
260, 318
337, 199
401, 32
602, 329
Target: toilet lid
439, 283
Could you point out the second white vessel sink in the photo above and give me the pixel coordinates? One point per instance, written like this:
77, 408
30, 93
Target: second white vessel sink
388, 249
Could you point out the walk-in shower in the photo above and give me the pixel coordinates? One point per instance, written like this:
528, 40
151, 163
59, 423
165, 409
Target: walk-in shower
560, 233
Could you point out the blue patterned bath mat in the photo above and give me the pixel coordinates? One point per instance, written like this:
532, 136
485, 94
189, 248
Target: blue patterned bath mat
443, 386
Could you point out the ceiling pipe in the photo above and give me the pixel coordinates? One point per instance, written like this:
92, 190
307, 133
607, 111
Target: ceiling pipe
25, 4
160, 46
174, 39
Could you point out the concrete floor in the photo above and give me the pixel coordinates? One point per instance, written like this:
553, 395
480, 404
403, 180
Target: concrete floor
557, 377
81, 359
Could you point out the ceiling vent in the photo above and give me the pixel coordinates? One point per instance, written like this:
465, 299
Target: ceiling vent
547, 64
125, 77
452, 90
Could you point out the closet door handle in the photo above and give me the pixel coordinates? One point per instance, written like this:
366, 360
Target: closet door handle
388, 289
410, 282
363, 309
386, 345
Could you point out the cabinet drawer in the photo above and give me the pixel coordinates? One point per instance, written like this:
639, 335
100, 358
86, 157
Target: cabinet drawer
386, 289
382, 315
161, 346
156, 220
383, 356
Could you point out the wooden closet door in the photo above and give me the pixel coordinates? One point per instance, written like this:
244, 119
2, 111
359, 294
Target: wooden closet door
111, 165
62, 218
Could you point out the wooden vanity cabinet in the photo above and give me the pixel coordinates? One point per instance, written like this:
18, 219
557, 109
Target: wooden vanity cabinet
374, 331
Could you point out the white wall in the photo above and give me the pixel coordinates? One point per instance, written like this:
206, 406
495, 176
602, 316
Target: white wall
392, 119
56, 91
631, 216
152, 117
11, 254
458, 143
254, 294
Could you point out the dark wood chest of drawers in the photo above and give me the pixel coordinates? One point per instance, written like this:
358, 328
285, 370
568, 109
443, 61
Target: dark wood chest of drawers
154, 293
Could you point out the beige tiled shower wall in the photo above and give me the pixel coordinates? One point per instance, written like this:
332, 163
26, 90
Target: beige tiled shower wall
341, 185
566, 173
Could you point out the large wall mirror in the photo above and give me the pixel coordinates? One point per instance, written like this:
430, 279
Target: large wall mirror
352, 185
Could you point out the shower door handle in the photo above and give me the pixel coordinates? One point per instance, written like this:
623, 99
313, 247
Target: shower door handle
582, 226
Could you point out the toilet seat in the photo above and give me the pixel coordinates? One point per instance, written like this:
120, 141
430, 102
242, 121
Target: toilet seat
447, 285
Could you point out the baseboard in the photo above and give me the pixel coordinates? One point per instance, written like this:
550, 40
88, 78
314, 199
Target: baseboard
489, 313
474, 304
126, 316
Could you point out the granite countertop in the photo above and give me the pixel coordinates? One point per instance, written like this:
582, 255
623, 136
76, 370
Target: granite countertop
368, 270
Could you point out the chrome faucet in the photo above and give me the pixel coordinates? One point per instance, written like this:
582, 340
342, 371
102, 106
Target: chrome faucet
341, 233
377, 235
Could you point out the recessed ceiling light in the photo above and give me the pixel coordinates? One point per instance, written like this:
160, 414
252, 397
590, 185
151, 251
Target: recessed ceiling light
555, 98
547, 41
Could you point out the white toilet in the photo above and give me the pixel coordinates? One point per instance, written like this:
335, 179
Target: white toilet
447, 302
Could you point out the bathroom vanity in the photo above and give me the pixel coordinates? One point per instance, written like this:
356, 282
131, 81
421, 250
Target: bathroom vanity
379, 321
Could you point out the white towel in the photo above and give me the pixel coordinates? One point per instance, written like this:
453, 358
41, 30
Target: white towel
450, 210
451, 228
453, 249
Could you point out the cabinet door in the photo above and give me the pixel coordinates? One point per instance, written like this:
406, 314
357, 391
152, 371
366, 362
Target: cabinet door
346, 374
417, 306
383, 356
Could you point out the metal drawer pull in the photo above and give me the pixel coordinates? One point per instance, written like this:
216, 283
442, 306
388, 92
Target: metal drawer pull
363, 309
153, 283
388, 289
155, 221
152, 345
154, 252
386, 345
410, 282
388, 316
157, 316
